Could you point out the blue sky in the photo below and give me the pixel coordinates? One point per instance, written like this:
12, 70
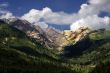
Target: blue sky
19, 7
61, 14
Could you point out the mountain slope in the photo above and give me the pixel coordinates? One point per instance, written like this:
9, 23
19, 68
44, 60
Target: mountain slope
100, 49
102, 68
20, 54
48, 37
28, 49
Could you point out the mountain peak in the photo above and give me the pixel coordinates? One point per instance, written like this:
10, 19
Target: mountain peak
76, 35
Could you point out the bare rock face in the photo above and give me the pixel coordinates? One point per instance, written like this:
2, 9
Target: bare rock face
39, 35
49, 37
77, 35
60, 40
57, 38
34, 32
70, 35
22, 25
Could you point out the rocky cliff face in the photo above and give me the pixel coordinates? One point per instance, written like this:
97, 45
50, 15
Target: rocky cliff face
56, 37
40, 36
34, 32
22, 25
75, 36
49, 37
60, 40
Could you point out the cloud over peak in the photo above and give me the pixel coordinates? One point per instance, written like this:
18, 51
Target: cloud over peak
87, 16
7, 15
93, 22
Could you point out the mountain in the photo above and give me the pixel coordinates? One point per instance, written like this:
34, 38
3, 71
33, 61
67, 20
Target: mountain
91, 51
48, 37
57, 38
29, 46
20, 54
102, 68
93, 39
33, 31
76, 36
22, 25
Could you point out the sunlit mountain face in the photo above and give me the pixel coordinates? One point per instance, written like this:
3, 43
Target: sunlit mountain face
55, 36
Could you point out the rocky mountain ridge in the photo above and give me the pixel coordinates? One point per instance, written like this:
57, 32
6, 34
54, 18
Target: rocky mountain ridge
49, 37
83, 48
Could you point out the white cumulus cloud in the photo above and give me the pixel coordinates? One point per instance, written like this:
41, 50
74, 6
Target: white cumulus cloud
89, 15
93, 22
7, 15
84, 16
48, 16
33, 16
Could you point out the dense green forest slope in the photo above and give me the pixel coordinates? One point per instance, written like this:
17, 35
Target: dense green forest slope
91, 51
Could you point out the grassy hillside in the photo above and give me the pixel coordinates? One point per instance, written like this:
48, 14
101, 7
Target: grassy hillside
20, 54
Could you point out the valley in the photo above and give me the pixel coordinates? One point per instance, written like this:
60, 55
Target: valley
25, 48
